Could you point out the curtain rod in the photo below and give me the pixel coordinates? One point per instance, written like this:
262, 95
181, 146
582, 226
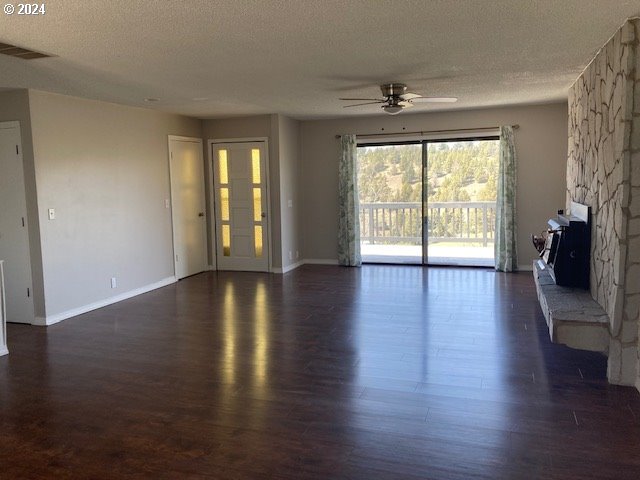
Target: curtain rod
515, 127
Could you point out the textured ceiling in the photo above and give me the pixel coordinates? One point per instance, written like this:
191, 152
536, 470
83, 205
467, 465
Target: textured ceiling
213, 59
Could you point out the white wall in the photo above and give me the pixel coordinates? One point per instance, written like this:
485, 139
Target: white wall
104, 168
541, 144
290, 208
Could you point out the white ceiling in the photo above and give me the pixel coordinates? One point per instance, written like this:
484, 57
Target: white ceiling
213, 59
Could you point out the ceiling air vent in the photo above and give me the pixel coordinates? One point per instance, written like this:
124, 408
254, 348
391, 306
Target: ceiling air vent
19, 52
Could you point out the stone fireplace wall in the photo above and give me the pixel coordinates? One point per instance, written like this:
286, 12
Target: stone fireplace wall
603, 172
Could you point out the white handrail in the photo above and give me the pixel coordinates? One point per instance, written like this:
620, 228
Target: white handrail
403, 222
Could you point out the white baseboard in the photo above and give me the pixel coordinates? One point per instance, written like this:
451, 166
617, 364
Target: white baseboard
288, 268
210, 268
58, 317
525, 268
320, 261
4, 351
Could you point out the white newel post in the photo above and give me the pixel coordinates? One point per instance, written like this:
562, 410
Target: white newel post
3, 314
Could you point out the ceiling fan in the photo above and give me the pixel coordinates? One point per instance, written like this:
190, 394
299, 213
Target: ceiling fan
396, 98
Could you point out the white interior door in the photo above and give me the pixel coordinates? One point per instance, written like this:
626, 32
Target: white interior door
188, 206
241, 199
14, 236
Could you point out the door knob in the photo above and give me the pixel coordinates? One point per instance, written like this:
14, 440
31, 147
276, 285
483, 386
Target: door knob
201, 214
263, 215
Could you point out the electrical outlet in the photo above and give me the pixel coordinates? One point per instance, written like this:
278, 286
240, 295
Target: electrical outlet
167, 204
114, 282
290, 255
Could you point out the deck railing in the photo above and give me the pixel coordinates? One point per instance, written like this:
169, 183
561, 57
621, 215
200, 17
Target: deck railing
402, 222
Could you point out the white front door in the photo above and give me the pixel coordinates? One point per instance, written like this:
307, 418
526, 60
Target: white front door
14, 237
188, 206
240, 186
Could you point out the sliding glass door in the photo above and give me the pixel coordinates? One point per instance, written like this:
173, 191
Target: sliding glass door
428, 202
391, 214
461, 202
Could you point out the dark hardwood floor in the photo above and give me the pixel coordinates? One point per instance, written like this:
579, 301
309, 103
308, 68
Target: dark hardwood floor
383, 372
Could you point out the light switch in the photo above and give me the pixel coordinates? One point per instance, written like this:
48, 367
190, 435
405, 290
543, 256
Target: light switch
166, 203
52, 214
290, 203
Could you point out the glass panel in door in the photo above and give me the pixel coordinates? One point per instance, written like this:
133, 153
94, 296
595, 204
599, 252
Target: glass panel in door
390, 194
460, 202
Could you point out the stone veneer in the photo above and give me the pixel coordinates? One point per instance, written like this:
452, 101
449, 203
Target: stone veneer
603, 171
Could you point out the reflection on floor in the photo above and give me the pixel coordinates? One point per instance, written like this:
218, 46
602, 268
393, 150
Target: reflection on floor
458, 254
380, 372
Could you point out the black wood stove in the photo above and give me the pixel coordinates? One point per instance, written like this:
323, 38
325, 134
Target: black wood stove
567, 247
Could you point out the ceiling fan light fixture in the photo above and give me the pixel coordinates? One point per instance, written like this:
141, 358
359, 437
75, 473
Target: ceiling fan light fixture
392, 109
396, 98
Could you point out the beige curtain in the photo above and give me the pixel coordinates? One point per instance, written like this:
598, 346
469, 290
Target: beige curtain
506, 254
349, 214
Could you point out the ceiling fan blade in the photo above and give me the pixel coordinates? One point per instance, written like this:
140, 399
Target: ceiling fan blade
360, 104
410, 96
356, 99
434, 99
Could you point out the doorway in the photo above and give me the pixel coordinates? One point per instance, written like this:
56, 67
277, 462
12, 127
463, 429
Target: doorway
428, 202
241, 201
14, 235
188, 206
